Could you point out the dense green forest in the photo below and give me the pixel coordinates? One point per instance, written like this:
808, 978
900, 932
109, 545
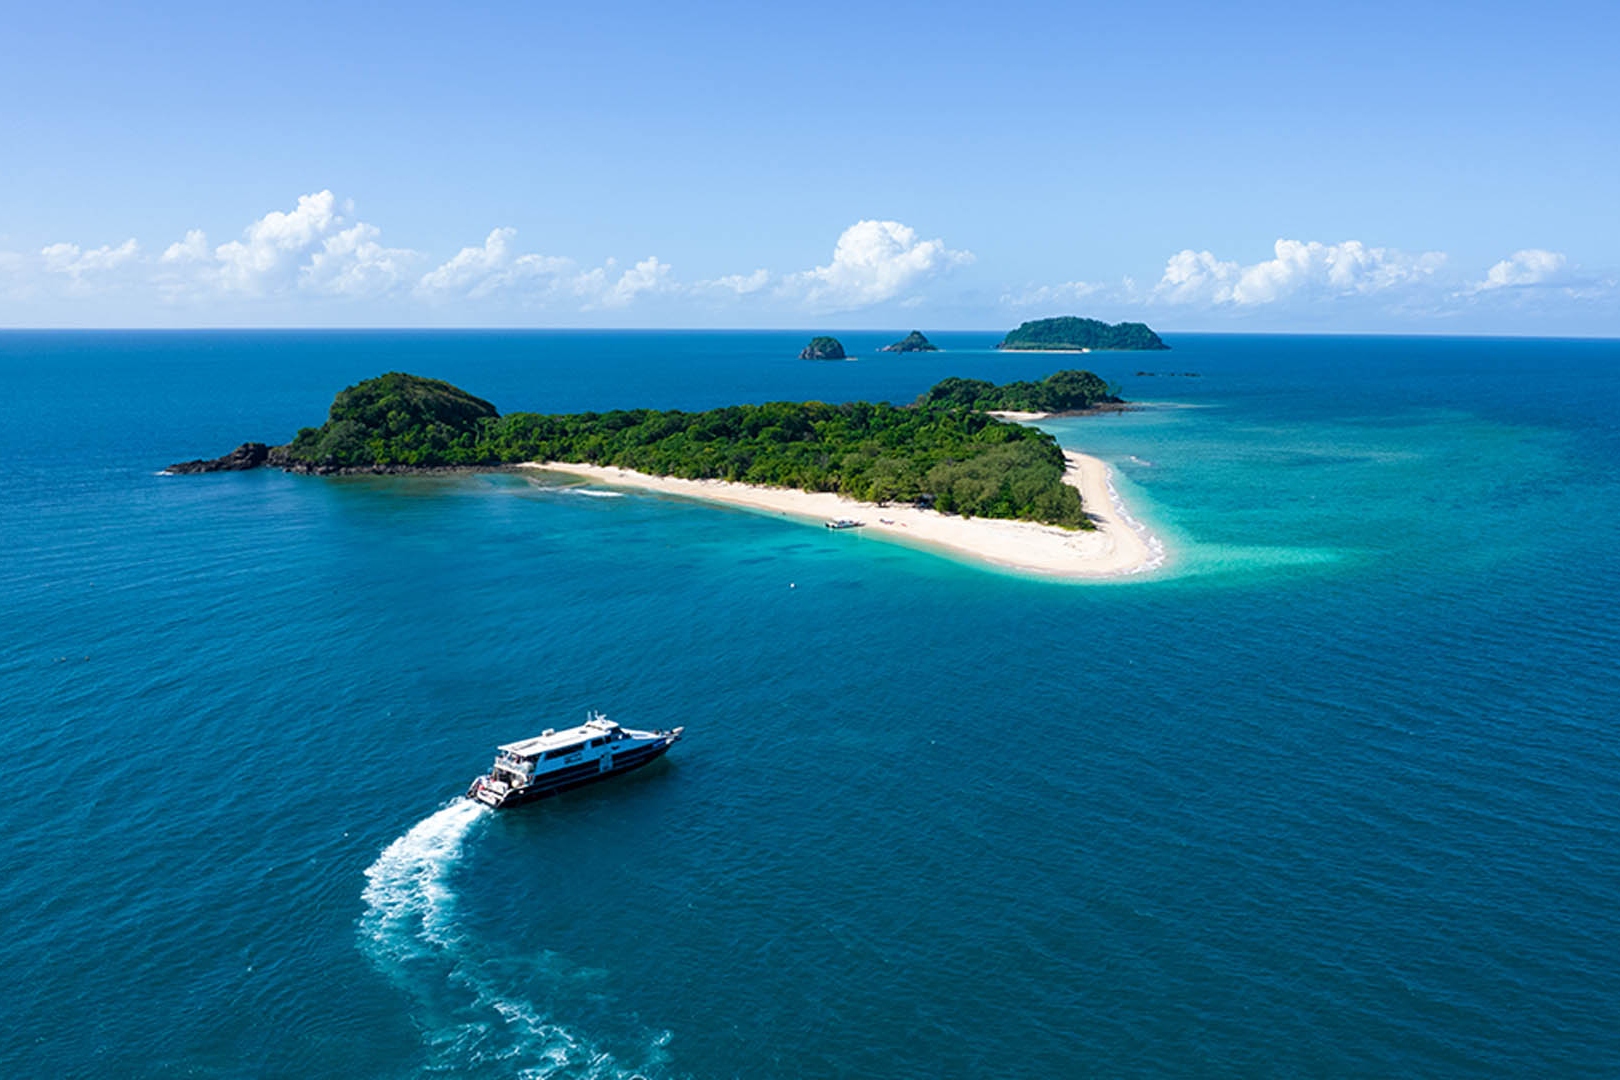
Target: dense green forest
1063, 391
1069, 332
942, 451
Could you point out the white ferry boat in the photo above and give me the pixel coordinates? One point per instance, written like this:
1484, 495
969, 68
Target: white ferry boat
555, 761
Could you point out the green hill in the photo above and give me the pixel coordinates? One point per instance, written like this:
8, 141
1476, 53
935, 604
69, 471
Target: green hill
1071, 333
912, 342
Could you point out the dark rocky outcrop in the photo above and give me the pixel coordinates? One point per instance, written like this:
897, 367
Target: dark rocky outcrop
250, 455
912, 342
823, 348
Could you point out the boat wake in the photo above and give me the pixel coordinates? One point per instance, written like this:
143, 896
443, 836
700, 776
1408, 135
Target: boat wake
469, 1000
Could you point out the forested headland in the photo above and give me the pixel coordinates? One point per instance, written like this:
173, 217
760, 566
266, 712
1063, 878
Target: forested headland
943, 451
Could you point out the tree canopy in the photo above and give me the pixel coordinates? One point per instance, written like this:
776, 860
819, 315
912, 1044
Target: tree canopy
1071, 332
1062, 391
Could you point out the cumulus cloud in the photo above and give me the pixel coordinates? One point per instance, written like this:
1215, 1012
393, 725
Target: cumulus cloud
1531, 266
737, 284
272, 247
76, 263
193, 249
599, 288
1297, 268
311, 246
495, 269
874, 261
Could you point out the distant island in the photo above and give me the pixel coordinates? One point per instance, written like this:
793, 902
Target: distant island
823, 348
1071, 334
942, 452
912, 342
1061, 392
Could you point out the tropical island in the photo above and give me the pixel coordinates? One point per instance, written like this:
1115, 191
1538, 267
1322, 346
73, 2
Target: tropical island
1071, 334
912, 342
823, 348
925, 470
1061, 393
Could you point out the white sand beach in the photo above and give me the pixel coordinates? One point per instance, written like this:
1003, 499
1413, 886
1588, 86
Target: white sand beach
1018, 417
1118, 545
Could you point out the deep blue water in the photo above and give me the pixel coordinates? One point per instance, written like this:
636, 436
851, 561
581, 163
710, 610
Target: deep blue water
1336, 793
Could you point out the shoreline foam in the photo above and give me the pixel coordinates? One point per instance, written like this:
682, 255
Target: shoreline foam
1119, 546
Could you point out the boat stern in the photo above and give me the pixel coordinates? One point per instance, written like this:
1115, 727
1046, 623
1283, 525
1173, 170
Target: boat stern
489, 791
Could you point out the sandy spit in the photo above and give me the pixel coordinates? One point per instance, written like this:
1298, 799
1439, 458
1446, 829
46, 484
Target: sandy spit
1118, 546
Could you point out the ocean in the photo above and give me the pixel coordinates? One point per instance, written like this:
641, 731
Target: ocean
1333, 793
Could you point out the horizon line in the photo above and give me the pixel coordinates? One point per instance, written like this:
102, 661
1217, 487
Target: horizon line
1486, 336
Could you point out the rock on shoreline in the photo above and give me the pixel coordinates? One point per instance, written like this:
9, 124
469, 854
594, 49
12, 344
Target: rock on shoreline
257, 455
250, 455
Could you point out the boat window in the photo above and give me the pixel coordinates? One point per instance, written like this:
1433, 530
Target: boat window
564, 751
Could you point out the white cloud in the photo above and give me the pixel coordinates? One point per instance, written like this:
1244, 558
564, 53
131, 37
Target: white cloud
69, 259
599, 289
738, 284
274, 246
495, 269
874, 261
474, 271
1532, 266
311, 246
193, 249
1298, 267
353, 263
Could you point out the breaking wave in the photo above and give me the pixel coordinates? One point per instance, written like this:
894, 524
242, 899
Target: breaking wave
1155, 546
595, 494
472, 1015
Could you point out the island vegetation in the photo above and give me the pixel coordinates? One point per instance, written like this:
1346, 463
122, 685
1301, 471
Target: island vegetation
1060, 392
823, 348
1071, 334
912, 342
944, 451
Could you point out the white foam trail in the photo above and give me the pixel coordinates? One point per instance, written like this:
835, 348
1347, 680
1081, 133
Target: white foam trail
407, 893
468, 1019
1155, 546
593, 493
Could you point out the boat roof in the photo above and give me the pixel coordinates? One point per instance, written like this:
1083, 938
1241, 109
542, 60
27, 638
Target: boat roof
551, 740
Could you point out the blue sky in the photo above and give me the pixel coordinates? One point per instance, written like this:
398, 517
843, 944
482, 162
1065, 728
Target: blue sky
1376, 167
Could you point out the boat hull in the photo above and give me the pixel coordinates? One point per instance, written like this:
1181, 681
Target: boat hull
577, 776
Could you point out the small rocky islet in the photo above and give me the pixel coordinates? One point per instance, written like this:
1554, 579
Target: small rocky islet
823, 348
912, 342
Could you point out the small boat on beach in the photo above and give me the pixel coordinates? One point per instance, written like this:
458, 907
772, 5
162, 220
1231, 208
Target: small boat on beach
844, 523
555, 761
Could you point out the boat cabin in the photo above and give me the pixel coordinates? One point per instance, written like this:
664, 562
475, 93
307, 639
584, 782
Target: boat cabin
518, 762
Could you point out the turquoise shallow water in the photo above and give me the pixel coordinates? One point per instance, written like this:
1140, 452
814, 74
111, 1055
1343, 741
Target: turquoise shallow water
1337, 793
